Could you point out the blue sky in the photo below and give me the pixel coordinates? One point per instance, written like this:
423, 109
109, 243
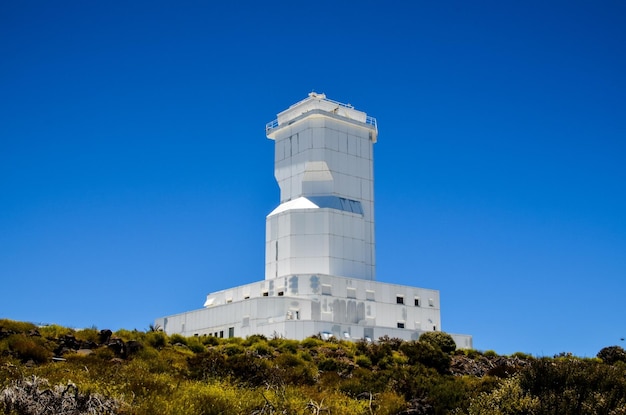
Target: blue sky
135, 175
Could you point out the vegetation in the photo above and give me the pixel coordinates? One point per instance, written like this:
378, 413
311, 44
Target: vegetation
53, 370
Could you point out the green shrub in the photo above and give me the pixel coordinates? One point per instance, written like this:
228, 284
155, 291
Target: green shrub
16, 326
363, 361
195, 345
575, 386
255, 338
311, 342
28, 348
233, 349
507, 399
426, 354
54, 331
490, 353
439, 339
177, 338
284, 345
156, 339
613, 354
208, 365
128, 335
211, 340
91, 335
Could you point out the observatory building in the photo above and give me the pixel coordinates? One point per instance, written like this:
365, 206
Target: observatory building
320, 264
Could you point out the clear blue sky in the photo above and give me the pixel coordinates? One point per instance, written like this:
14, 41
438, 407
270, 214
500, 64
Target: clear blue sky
135, 175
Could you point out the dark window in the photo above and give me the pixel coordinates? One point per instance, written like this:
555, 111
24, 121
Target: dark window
222, 333
400, 300
281, 293
417, 302
400, 325
231, 332
265, 294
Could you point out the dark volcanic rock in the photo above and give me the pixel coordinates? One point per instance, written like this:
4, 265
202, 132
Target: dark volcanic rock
105, 336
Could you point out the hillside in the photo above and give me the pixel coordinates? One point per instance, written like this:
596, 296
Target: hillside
53, 370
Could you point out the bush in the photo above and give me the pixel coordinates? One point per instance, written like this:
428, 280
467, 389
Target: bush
439, 339
612, 354
16, 326
426, 354
195, 345
575, 386
156, 339
311, 342
54, 331
90, 335
177, 338
28, 348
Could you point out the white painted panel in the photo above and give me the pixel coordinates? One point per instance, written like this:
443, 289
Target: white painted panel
352, 145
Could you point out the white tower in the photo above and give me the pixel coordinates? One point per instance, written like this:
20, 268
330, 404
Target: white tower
319, 247
324, 167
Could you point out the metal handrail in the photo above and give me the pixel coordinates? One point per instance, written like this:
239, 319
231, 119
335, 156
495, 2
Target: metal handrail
271, 125
368, 119
371, 121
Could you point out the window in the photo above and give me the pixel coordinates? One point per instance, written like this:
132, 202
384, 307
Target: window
265, 293
281, 293
431, 302
245, 297
231, 332
399, 299
325, 289
369, 295
351, 292
400, 325
417, 301
221, 333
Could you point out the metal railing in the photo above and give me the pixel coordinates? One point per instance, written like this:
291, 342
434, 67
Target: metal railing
271, 125
369, 120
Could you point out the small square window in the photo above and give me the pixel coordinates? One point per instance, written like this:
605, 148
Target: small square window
400, 325
369, 295
265, 294
281, 293
417, 302
399, 299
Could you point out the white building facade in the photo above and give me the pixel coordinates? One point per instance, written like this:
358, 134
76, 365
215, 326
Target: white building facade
319, 246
